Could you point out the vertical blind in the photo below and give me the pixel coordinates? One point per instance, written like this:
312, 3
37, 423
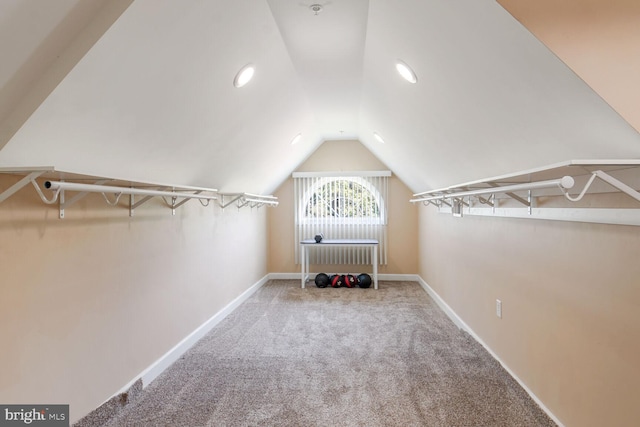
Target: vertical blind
341, 205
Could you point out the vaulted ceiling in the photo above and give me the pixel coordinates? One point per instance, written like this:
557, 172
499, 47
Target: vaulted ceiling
143, 90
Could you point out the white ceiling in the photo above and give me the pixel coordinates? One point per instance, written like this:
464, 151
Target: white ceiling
153, 98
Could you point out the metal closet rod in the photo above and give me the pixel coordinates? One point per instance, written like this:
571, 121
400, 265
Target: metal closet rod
566, 182
95, 188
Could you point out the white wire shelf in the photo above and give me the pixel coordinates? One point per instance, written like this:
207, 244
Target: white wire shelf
572, 179
58, 183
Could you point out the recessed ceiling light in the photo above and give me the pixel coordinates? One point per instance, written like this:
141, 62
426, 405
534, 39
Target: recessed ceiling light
296, 139
244, 75
378, 137
406, 72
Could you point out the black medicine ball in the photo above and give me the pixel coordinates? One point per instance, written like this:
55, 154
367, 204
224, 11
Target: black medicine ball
364, 280
322, 280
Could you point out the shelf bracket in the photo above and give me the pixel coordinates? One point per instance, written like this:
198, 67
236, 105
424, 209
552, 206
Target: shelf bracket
616, 183
488, 201
51, 201
517, 198
184, 201
234, 198
79, 196
61, 205
18, 185
514, 196
133, 204
173, 205
246, 199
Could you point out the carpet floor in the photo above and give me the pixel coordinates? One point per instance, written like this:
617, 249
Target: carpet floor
335, 357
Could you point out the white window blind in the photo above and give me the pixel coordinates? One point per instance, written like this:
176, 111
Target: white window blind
341, 205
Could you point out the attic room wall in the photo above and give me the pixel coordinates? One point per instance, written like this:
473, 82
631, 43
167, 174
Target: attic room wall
90, 301
597, 39
570, 328
345, 156
570, 299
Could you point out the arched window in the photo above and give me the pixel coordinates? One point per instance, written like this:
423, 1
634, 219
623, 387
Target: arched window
341, 206
342, 199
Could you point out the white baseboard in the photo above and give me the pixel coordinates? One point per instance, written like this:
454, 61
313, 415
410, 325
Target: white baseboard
157, 367
296, 276
400, 277
462, 325
287, 276
445, 307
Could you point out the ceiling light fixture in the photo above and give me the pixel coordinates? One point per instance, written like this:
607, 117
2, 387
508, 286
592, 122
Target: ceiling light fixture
378, 138
316, 8
244, 75
406, 72
296, 139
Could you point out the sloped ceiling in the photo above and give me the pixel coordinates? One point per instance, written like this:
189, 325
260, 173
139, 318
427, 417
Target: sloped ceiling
598, 39
153, 98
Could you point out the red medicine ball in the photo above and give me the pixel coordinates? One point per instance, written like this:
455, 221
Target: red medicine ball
349, 280
336, 281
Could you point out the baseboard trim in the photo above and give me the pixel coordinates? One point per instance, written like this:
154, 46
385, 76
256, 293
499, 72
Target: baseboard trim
462, 325
157, 367
111, 408
399, 277
296, 276
445, 307
179, 349
287, 276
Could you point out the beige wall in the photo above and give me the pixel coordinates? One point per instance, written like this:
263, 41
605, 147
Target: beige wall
570, 291
346, 156
88, 302
597, 39
570, 299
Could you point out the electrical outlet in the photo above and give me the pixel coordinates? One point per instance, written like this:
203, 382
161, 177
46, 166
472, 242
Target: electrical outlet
499, 308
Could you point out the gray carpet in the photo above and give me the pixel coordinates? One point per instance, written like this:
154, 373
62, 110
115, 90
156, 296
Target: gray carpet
335, 357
